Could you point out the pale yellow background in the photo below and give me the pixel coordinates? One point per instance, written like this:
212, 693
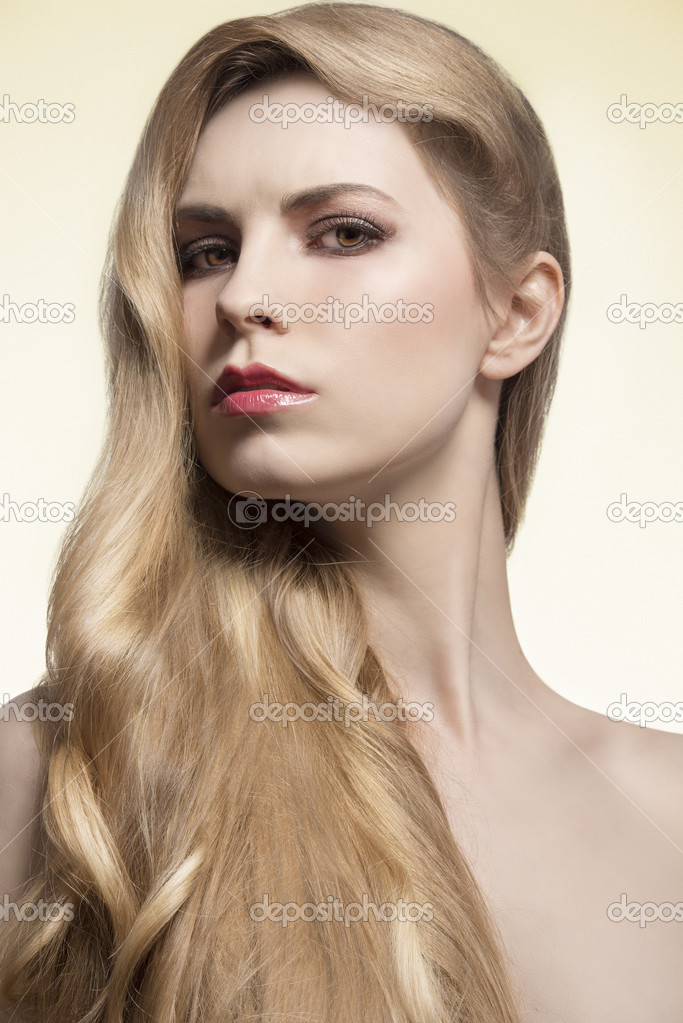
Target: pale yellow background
597, 604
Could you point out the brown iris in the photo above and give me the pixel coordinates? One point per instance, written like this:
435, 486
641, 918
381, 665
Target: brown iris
342, 236
217, 254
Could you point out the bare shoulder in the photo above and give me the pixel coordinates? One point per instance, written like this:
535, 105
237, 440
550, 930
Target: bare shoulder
651, 763
21, 790
646, 763
19, 753
21, 794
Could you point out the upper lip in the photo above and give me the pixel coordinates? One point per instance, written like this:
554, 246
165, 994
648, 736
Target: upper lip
254, 375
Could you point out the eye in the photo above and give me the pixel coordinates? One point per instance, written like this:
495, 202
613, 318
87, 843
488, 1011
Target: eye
205, 255
215, 257
349, 237
346, 232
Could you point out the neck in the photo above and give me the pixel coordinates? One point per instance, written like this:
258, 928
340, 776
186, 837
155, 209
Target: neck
437, 597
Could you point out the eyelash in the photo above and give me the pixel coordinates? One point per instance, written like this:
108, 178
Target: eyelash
374, 230
345, 218
186, 253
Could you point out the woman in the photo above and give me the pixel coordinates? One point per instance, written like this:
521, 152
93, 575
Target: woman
298, 529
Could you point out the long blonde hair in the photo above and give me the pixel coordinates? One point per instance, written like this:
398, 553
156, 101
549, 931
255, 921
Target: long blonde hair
168, 810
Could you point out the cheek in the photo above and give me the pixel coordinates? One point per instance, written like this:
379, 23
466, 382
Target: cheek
199, 321
201, 339
396, 375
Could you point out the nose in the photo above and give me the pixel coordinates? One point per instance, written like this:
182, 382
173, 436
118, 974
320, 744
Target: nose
254, 294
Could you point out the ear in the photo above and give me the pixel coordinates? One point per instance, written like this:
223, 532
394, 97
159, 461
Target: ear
528, 318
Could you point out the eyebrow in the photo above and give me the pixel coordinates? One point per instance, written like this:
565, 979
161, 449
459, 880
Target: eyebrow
209, 214
311, 196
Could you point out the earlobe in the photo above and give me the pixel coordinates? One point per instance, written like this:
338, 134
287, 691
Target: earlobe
529, 319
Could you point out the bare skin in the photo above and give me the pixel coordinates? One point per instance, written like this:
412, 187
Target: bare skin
555, 835
21, 789
558, 810
558, 815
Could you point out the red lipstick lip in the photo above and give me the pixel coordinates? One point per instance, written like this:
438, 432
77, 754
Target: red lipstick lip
254, 375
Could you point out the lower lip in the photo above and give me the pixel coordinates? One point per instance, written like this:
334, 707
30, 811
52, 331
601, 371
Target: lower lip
253, 403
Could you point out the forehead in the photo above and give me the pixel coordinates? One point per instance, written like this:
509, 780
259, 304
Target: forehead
250, 152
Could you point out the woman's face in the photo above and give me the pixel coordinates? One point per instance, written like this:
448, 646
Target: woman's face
326, 217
